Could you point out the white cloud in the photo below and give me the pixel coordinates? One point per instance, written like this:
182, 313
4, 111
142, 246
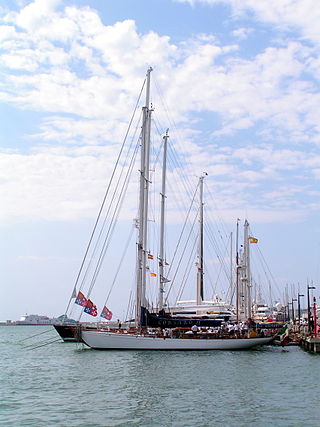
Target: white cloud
7, 32
36, 14
50, 186
242, 33
84, 77
302, 15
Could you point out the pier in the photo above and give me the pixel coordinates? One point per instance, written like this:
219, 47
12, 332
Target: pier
310, 344
309, 339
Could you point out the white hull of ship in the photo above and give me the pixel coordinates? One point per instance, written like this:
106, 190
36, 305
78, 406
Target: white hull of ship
113, 341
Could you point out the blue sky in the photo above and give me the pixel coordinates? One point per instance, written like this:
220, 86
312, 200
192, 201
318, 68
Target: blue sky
241, 81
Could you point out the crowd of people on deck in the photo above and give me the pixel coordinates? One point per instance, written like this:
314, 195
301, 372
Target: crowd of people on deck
227, 329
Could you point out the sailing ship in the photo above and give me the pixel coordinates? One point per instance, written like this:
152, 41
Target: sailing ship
161, 329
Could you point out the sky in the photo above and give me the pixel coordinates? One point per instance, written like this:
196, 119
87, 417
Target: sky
241, 81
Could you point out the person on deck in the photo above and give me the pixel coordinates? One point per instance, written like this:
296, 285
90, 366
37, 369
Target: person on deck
194, 329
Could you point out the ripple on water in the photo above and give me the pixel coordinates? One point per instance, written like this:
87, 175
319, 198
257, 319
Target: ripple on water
63, 385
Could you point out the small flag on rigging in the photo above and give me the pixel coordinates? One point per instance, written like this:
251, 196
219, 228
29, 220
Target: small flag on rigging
253, 240
90, 308
106, 313
150, 256
153, 275
81, 299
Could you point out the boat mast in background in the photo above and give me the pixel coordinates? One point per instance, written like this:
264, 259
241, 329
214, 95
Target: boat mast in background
143, 206
246, 273
162, 279
237, 274
231, 269
200, 247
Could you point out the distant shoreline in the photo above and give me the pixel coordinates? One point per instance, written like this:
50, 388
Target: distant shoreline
25, 324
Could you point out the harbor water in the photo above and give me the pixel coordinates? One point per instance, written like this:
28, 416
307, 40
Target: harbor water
67, 384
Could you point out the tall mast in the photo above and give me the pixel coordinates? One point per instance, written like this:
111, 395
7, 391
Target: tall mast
231, 267
163, 198
237, 273
200, 247
247, 277
143, 205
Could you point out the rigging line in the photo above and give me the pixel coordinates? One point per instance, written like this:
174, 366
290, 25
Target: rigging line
186, 165
153, 190
178, 190
112, 225
171, 122
209, 280
105, 196
128, 306
161, 141
158, 125
187, 272
108, 211
47, 340
131, 304
268, 279
182, 254
113, 220
232, 295
184, 180
219, 273
222, 223
221, 258
42, 345
215, 243
179, 165
212, 239
213, 230
220, 255
32, 336
120, 263
183, 228
217, 238
156, 155
174, 197
266, 265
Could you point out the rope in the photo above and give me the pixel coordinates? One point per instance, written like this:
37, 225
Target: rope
30, 347
105, 197
36, 335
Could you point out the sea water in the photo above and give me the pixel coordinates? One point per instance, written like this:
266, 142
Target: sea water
67, 384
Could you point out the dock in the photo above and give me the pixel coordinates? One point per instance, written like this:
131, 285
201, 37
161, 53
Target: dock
301, 335
307, 339
310, 344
